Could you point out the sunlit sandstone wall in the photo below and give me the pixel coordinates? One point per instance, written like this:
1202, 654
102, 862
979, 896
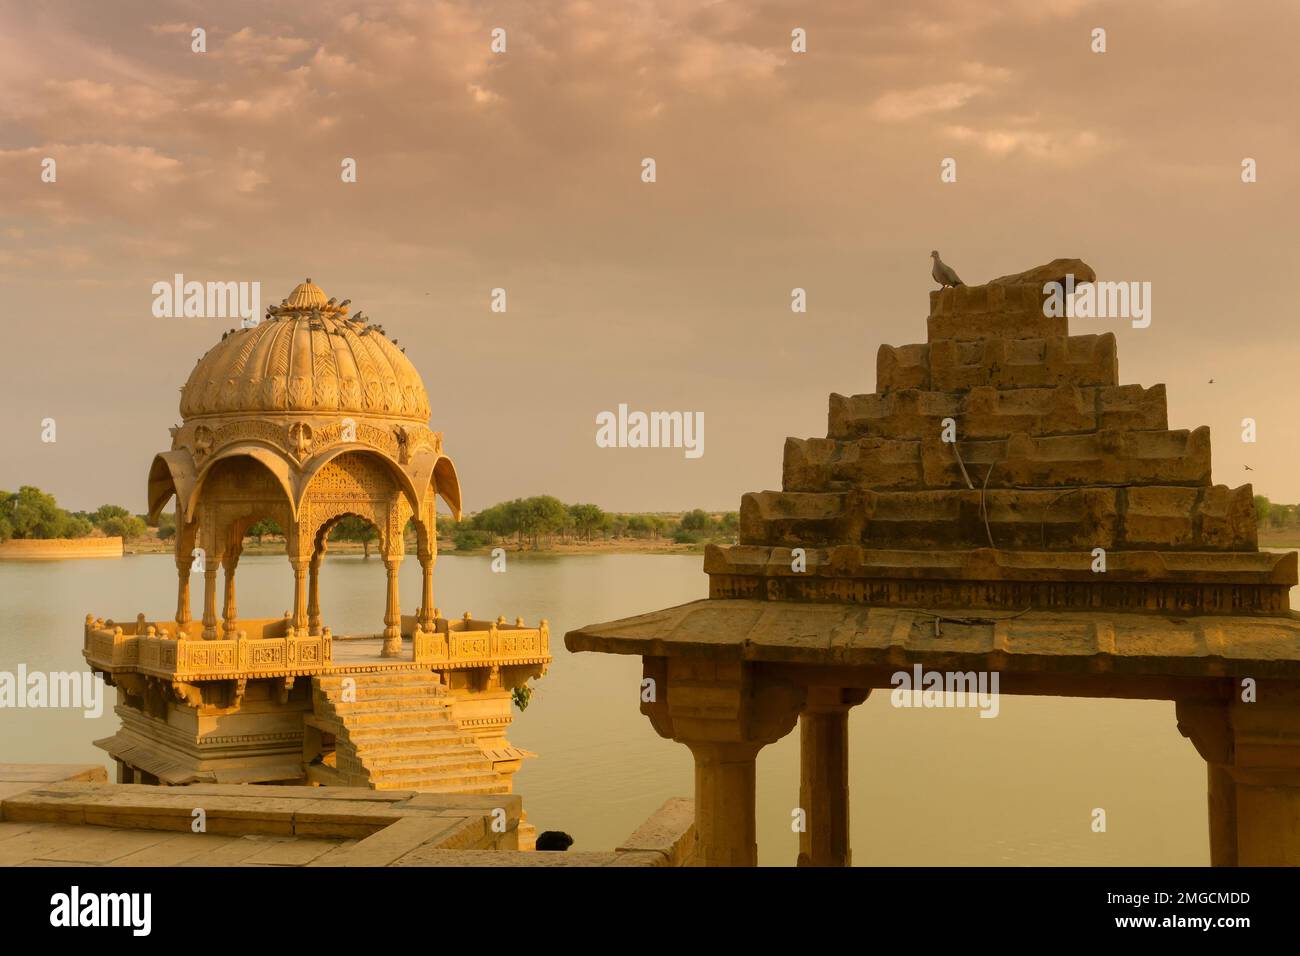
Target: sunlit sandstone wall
33, 548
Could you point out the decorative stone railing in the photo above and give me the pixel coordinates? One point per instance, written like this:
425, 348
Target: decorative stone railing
466, 643
264, 648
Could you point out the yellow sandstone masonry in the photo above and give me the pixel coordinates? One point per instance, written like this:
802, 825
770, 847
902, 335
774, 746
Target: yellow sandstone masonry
311, 416
1051, 454
1062, 538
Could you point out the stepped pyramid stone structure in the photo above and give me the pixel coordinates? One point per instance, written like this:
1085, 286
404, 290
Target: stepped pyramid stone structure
309, 417
1000, 505
986, 468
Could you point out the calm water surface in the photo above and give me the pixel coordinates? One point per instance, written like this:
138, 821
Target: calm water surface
928, 786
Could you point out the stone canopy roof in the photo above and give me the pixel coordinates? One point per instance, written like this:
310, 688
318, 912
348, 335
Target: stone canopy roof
1053, 459
307, 356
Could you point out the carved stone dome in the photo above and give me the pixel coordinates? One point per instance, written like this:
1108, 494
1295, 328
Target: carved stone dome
307, 356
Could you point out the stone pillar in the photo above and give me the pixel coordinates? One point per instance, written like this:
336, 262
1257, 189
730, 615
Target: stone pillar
313, 591
725, 830
392, 611
184, 545
300, 594
183, 565
210, 598
228, 607
426, 600
725, 711
824, 776
1252, 749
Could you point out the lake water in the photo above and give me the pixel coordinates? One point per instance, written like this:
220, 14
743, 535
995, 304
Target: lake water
928, 786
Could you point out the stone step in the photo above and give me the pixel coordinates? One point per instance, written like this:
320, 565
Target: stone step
397, 727
1110, 456
436, 785
951, 366
381, 679
367, 747
988, 412
391, 705
483, 773
390, 692
461, 758
432, 719
399, 734
1214, 518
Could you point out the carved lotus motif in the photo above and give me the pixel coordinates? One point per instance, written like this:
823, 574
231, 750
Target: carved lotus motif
327, 392
272, 389
300, 392
351, 395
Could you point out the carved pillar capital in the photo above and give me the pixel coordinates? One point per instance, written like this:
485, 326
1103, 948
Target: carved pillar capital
1250, 740
725, 711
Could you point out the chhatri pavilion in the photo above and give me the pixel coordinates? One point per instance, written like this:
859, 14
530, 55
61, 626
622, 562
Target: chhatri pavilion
310, 416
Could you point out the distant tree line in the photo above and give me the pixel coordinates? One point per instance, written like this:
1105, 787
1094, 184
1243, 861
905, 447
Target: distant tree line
32, 513
527, 522
1275, 516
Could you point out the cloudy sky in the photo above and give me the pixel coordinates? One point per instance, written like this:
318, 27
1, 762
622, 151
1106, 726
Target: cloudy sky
774, 170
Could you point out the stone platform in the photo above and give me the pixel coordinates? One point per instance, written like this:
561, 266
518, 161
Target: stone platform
58, 815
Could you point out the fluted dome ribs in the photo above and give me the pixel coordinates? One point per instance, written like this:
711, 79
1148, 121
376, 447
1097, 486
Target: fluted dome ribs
306, 356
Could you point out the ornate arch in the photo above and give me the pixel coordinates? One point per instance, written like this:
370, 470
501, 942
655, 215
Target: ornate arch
363, 484
313, 467
272, 459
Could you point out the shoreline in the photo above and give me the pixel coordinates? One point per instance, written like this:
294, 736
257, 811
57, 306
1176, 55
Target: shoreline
446, 547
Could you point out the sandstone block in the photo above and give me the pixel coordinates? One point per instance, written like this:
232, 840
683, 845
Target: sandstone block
904, 366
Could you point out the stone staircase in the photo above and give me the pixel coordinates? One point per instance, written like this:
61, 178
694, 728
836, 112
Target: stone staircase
397, 734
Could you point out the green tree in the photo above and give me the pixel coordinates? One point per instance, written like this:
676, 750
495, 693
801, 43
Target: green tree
697, 520
106, 513
34, 514
1262, 508
262, 528
641, 526
501, 520
6, 515
587, 519
470, 539
352, 528
541, 515
124, 526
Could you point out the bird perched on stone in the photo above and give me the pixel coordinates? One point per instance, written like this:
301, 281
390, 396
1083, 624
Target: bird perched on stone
942, 273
